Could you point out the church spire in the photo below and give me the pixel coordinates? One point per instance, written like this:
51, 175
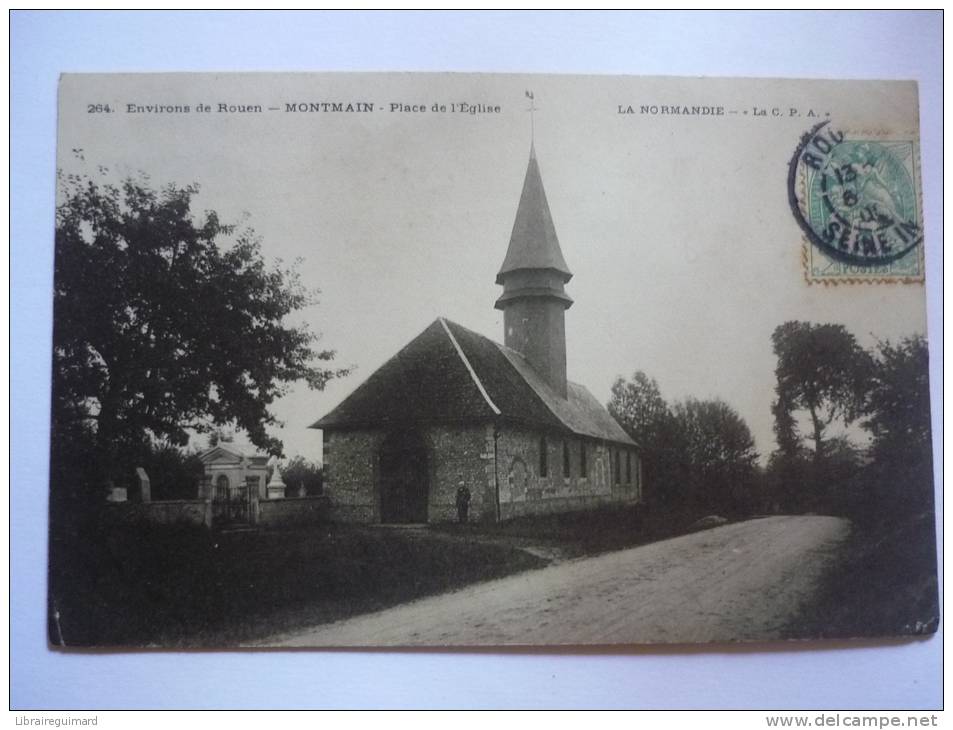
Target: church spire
533, 276
533, 242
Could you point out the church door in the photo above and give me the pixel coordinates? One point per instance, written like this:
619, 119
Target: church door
404, 481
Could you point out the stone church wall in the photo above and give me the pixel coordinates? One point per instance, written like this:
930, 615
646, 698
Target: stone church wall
350, 474
457, 456
525, 491
465, 456
461, 456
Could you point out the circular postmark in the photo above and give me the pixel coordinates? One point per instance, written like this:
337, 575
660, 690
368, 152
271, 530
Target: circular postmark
855, 199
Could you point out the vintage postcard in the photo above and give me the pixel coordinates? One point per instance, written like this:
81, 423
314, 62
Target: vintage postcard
488, 360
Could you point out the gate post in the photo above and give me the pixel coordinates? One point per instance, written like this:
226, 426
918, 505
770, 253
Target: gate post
205, 487
251, 483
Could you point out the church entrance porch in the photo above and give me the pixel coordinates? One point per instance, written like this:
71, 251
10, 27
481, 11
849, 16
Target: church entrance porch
404, 480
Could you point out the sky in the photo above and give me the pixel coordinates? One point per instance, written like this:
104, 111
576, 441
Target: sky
677, 228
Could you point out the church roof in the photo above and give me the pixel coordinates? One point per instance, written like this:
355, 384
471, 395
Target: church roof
450, 374
533, 242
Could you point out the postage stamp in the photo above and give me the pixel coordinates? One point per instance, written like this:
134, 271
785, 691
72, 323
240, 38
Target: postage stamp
856, 196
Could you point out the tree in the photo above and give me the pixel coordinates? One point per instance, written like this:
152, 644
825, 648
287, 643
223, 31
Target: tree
719, 452
638, 406
299, 472
174, 474
898, 419
822, 371
166, 322
697, 455
898, 406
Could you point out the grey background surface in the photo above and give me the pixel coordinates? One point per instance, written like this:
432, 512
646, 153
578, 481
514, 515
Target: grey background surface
842, 45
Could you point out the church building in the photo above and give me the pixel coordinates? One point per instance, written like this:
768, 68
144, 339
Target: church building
454, 410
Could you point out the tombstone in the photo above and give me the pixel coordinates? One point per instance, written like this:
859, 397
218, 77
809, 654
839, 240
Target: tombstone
145, 488
276, 487
114, 493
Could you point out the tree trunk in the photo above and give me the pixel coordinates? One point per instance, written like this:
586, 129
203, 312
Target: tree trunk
817, 486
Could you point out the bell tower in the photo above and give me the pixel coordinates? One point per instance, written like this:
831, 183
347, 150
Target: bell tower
533, 277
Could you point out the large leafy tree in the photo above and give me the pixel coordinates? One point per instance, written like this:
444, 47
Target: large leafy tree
300, 473
638, 405
719, 452
898, 405
696, 454
821, 372
166, 322
898, 419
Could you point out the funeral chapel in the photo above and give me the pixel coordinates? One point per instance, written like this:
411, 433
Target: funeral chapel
455, 415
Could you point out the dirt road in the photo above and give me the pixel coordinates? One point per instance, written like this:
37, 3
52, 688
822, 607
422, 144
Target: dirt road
740, 581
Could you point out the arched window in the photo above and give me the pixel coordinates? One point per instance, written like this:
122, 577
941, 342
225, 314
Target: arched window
567, 462
618, 470
221, 486
543, 457
628, 467
583, 464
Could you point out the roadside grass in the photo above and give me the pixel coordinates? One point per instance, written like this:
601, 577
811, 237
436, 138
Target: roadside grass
146, 585
149, 585
884, 585
579, 534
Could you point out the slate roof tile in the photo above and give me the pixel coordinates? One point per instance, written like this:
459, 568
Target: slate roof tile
450, 374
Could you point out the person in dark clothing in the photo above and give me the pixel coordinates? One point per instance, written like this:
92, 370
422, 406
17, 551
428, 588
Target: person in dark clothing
463, 504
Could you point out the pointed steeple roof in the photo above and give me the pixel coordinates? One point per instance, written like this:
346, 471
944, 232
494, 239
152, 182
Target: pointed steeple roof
533, 243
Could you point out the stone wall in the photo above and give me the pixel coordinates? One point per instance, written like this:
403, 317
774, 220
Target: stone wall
589, 481
461, 456
165, 512
292, 511
351, 461
467, 456
457, 456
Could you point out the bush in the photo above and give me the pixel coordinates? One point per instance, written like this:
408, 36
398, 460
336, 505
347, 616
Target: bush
300, 472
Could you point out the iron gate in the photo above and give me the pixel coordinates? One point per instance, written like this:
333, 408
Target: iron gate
230, 504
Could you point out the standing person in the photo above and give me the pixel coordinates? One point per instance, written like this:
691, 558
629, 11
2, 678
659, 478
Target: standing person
463, 504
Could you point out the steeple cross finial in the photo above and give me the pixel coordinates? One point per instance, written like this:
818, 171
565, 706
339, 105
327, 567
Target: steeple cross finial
532, 118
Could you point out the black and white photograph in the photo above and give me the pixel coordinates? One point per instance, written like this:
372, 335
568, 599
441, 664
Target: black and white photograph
464, 360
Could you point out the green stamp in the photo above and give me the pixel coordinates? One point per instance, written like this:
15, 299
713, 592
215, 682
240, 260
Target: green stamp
857, 199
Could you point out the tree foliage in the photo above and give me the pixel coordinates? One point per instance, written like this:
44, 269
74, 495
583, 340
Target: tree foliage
698, 455
173, 474
898, 419
299, 473
898, 404
638, 405
822, 371
719, 452
166, 321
